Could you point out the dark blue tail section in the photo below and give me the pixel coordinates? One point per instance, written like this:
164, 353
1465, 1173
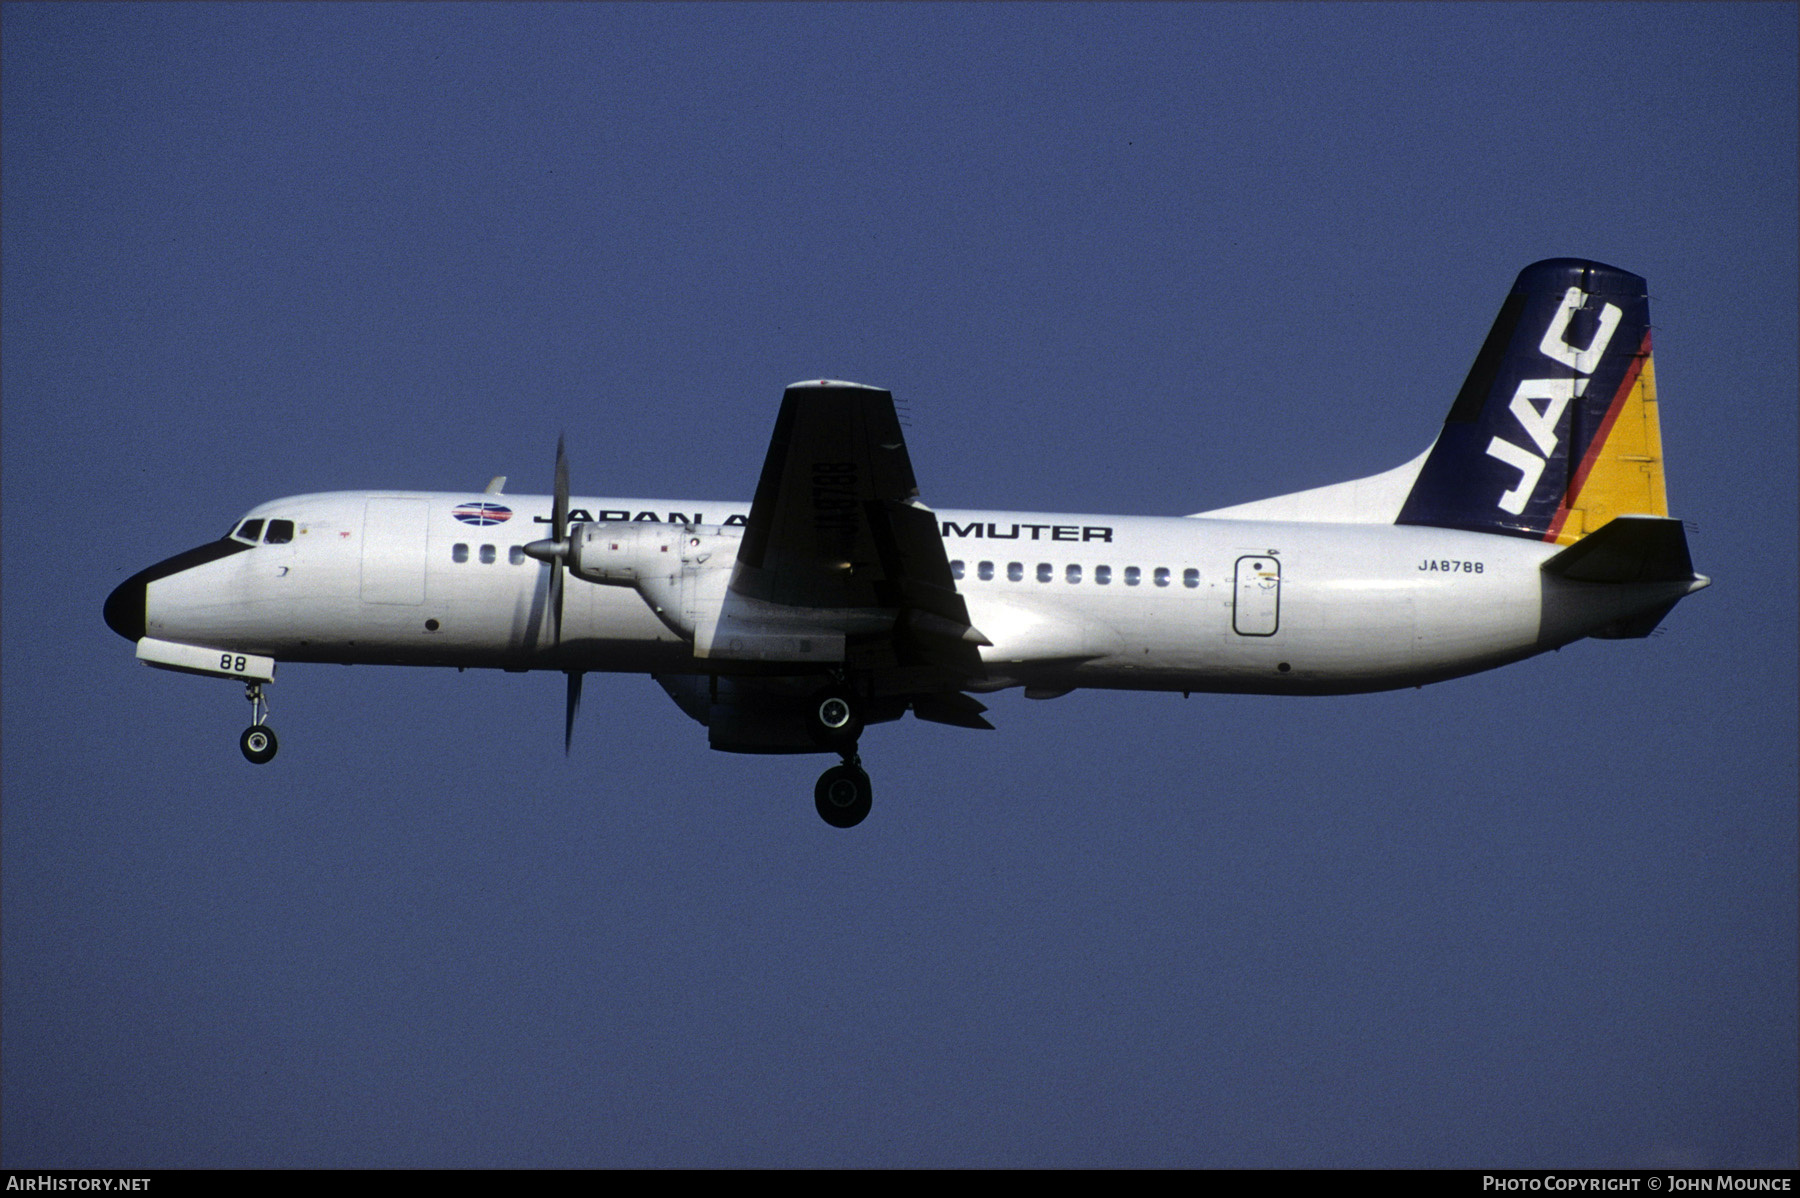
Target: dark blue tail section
1530, 430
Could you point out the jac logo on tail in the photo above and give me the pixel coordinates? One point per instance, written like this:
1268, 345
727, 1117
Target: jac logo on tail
1539, 422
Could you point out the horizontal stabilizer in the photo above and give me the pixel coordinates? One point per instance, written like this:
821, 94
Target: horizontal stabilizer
1636, 627
1628, 549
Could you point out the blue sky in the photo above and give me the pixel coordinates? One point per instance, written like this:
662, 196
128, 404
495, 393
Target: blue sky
1112, 258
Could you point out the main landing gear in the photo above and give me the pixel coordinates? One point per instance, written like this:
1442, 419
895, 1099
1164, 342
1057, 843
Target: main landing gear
834, 721
843, 793
258, 741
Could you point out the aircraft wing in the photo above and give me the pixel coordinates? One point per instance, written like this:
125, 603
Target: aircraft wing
840, 562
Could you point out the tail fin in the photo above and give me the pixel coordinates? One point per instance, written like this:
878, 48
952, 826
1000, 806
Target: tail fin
1555, 431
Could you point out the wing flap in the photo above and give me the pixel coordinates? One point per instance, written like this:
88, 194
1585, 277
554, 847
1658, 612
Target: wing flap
957, 710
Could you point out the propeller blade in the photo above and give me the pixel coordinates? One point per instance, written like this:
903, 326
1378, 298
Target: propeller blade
559, 503
559, 532
573, 705
553, 550
556, 596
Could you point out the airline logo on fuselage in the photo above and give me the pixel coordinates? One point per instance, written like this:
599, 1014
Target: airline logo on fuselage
483, 513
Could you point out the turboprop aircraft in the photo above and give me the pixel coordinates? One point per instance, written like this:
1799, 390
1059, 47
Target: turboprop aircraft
835, 599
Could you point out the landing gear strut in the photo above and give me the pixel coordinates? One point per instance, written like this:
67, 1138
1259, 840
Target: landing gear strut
258, 741
843, 793
835, 718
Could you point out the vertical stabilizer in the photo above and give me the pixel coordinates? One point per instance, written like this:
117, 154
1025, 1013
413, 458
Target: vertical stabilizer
1555, 431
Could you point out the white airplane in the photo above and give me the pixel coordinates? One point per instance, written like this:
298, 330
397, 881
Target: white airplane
835, 599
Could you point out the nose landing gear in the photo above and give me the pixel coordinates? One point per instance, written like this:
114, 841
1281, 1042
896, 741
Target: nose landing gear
258, 742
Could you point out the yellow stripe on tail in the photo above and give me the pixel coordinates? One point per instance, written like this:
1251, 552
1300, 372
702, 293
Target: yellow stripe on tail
1623, 473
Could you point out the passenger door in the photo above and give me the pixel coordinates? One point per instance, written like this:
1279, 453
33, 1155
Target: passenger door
1256, 605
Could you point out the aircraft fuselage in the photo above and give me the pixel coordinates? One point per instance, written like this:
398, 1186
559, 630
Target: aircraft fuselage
1066, 600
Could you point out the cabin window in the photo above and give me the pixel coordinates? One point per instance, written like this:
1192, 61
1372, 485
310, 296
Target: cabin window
1015, 571
516, 555
487, 555
280, 532
1073, 573
1190, 578
1132, 574
250, 530
1161, 576
1045, 572
985, 571
459, 552
1102, 574
956, 570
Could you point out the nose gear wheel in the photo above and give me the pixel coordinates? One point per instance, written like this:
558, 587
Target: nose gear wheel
258, 742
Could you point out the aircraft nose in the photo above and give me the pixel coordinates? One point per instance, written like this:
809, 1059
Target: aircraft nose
125, 608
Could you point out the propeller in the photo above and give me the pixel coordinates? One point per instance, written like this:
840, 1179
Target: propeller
555, 553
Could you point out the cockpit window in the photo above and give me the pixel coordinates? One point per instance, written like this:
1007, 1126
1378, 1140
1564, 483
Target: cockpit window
249, 530
280, 532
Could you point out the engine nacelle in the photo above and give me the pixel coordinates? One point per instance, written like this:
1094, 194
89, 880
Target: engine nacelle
680, 570
621, 553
